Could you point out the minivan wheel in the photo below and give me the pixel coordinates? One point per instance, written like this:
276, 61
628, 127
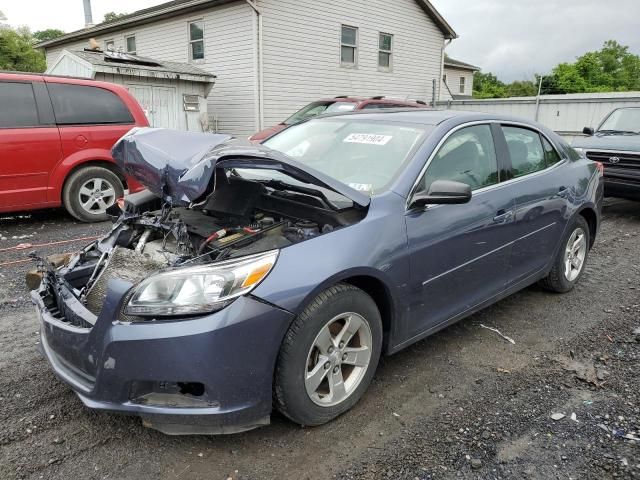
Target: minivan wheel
90, 191
569, 264
328, 356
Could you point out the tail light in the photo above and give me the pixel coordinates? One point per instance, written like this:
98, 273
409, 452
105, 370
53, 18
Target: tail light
600, 168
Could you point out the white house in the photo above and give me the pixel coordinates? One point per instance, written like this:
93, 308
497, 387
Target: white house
457, 79
271, 57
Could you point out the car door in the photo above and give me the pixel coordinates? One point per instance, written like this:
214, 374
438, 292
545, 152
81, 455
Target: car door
541, 197
90, 119
459, 253
29, 144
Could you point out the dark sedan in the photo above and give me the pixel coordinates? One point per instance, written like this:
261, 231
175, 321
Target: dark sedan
250, 277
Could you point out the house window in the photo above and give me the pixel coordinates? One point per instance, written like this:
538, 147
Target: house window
349, 46
196, 40
109, 46
131, 44
463, 81
385, 49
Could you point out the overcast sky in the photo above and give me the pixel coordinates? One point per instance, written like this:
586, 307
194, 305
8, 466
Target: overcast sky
512, 38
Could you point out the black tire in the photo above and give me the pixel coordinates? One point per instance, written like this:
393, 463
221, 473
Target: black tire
290, 394
76, 181
557, 280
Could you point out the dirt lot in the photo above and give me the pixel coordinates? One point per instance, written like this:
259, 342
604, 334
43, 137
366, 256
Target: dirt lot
464, 403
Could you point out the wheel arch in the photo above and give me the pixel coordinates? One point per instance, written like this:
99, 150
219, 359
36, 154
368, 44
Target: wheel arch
591, 217
374, 284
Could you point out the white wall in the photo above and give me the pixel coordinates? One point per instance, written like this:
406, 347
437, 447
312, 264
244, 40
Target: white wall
302, 52
229, 54
453, 82
567, 114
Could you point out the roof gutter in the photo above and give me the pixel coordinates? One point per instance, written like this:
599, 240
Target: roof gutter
142, 18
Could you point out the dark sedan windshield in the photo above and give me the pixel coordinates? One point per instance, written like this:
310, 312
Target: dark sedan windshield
625, 120
364, 154
317, 108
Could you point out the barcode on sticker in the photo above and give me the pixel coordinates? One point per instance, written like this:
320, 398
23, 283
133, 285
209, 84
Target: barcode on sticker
368, 138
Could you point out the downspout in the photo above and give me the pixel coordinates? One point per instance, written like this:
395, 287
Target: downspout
445, 44
258, 28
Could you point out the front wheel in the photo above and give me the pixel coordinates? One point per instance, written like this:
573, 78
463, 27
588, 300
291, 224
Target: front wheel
329, 356
569, 264
90, 191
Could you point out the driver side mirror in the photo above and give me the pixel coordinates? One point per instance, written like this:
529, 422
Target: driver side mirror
443, 192
588, 131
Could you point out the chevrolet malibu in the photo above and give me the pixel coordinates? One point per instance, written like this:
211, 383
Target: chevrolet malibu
253, 277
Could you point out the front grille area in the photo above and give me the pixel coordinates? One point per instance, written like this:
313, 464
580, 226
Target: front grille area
59, 310
617, 160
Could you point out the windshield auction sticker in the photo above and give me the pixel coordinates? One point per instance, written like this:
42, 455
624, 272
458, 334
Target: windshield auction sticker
368, 138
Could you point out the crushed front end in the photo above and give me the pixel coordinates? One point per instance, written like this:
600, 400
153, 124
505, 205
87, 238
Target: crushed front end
157, 318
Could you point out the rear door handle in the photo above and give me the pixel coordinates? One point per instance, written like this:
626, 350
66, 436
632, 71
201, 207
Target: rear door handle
563, 191
503, 216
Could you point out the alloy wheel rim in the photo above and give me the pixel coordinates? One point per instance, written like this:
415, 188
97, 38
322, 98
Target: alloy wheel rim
96, 195
575, 254
338, 359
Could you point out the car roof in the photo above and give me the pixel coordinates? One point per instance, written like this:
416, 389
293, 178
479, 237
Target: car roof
377, 99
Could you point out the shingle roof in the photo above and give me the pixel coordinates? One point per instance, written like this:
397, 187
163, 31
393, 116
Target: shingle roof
452, 62
99, 58
183, 6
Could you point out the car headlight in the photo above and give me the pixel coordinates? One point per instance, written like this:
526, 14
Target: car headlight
199, 289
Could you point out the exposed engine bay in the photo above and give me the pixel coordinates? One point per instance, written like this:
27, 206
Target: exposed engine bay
243, 217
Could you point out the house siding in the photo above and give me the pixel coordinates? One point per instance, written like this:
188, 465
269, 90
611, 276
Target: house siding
301, 52
453, 82
229, 54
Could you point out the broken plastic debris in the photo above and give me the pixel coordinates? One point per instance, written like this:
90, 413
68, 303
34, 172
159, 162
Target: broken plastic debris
557, 416
508, 339
574, 417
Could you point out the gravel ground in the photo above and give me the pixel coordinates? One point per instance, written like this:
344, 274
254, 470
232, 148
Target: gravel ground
463, 403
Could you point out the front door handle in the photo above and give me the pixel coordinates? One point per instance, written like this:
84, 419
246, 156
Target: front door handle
503, 216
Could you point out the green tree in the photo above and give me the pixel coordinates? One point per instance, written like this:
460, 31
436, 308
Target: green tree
48, 34
17, 52
522, 88
487, 85
113, 16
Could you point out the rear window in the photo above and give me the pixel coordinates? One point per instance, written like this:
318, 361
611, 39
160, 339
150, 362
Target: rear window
17, 105
81, 104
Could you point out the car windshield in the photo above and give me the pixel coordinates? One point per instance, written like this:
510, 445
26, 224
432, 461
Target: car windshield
316, 108
364, 154
626, 120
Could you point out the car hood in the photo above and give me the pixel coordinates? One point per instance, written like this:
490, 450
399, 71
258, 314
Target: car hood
627, 143
179, 167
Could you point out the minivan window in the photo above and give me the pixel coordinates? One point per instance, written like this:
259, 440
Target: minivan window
17, 105
317, 108
525, 149
468, 156
81, 104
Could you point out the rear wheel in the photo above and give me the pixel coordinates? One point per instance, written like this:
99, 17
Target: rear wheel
90, 191
329, 356
569, 264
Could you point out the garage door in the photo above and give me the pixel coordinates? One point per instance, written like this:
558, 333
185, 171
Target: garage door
158, 103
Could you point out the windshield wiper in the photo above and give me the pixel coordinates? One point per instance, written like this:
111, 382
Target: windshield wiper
619, 132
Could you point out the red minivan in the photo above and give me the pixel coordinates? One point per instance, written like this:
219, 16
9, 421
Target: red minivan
56, 135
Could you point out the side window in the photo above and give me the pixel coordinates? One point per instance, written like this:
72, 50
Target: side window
17, 105
525, 149
551, 156
196, 40
468, 156
80, 104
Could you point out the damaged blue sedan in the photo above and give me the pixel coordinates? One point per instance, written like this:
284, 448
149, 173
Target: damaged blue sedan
250, 278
